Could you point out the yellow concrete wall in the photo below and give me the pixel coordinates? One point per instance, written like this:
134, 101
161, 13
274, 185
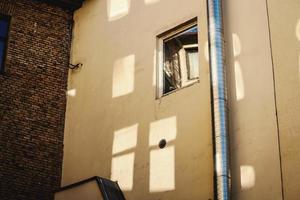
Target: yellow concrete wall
255, 159
113, 122
285, 37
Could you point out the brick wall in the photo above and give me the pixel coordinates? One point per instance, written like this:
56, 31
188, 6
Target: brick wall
33, 99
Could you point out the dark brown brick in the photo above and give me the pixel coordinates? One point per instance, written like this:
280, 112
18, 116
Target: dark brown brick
33, 99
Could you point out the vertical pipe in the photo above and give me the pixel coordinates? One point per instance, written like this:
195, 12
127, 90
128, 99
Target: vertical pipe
219, 99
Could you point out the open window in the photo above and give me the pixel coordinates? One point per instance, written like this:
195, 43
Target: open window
178, 58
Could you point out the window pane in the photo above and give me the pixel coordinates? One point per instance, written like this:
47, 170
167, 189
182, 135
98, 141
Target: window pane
3, 27
172, 66
2, 49
193, 64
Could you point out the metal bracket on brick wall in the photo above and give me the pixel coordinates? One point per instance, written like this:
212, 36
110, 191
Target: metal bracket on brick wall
74, 67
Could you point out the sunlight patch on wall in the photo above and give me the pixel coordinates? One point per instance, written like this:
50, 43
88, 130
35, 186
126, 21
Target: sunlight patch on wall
162, 170
237, 48
298, 30
125, 139
151, 1
122, 170
71, 92
206, 51
122, 167
123, 76
247, 177
238, 74
164, 128
239, 81
117, 9
162, 161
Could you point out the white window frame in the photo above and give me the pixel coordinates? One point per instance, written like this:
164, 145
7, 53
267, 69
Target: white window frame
161, 39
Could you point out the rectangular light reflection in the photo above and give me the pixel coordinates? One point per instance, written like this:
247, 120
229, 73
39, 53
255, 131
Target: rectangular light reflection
123, 76
71, 92
239, 81
125, 139
162, 170
163, 129
117, 9
151, 1
122, 170
247, 177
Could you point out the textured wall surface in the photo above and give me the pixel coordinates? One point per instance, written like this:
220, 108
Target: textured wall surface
285, 37
32, 99
114, 121
255, 163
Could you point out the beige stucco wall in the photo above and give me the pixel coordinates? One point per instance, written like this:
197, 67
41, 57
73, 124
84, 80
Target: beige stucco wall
113, 122
255, 159
285, 35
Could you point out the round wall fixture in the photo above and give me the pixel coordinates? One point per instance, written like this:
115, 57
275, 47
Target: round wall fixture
162, 144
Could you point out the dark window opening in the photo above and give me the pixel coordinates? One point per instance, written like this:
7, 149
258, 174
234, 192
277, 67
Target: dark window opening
4, 29
181, 59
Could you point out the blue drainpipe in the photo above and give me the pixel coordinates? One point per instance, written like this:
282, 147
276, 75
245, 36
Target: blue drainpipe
219, 99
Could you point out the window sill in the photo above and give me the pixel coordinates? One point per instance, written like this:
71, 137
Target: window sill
190, 83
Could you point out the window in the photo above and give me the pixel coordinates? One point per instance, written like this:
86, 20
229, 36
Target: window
4, 25
178, 58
